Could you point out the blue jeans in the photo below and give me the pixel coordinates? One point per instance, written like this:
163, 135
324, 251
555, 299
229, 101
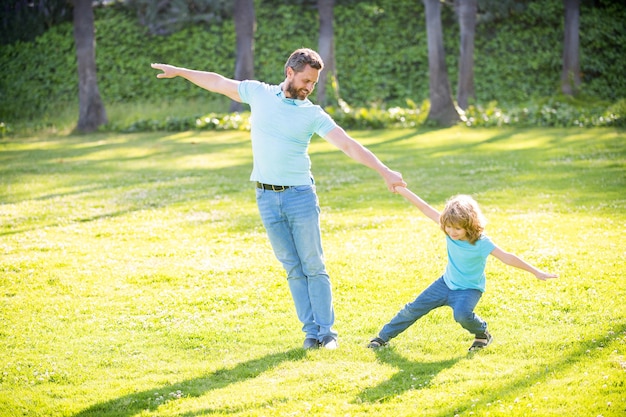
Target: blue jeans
437, 295
292, 221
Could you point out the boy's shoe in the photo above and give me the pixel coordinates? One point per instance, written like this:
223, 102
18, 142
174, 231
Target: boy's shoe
376, 343
310, 343
481, 341
329, 342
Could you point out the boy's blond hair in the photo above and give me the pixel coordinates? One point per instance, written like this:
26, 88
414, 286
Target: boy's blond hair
463, 211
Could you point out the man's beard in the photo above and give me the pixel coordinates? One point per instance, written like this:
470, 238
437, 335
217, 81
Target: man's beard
299, 94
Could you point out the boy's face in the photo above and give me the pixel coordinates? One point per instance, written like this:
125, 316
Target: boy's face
456, 232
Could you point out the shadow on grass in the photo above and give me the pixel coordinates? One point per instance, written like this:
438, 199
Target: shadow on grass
542, 372
561, 162
133, 404
83, 176
417, 375
411, 375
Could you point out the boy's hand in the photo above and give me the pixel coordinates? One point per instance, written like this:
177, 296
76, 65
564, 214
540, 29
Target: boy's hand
545, 275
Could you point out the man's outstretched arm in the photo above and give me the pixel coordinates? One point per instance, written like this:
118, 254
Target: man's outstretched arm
210, 81
361, 154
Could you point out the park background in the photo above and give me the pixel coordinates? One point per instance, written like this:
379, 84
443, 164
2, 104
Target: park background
137, 280
381, 60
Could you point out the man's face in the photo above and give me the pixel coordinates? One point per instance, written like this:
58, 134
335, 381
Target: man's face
300, 84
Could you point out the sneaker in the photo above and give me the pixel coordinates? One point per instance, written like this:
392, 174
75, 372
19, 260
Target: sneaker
376, 343
481, 341
310, 343
329, 342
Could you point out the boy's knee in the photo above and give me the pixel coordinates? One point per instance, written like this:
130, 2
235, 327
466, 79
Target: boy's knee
464, 317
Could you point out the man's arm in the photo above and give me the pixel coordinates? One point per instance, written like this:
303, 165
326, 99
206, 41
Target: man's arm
424, 207
210, 81
517, 262
361, 154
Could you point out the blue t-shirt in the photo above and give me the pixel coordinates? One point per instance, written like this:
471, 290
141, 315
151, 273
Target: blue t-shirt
466, 263
281, 131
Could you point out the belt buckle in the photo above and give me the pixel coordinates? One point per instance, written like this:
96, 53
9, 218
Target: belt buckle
278, 188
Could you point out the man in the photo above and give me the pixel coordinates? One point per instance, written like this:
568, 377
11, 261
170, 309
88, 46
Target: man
283, 121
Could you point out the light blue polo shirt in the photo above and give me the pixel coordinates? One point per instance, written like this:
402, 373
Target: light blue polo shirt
281, 132
466, 263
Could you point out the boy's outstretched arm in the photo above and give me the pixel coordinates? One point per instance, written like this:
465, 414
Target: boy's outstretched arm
517, 262
424, 207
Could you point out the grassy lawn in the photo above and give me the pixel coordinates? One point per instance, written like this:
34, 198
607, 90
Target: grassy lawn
136, 278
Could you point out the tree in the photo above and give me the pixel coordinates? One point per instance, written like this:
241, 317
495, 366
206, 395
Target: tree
466, 11
245, 26
570, 76
326, 46
91, 109
442, 109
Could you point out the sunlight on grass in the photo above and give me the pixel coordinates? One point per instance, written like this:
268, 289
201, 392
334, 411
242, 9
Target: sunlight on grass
137, 280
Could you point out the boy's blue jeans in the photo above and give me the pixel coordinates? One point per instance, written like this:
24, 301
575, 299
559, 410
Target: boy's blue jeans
292, 221
437, 295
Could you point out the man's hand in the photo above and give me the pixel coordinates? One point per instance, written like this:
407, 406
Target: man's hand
393, 180
169, 71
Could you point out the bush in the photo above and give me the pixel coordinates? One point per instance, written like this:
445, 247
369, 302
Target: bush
547, 112
556, 111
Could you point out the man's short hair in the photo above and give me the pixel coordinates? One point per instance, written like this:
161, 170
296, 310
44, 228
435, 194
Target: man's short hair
302, 57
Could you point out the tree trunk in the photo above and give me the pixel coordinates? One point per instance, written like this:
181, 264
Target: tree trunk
466, 12
442, 109
570, 76
91, 109
326, 45
245, 26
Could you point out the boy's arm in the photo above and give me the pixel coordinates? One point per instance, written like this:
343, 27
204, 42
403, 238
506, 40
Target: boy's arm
424, 207
517, 262
210, 81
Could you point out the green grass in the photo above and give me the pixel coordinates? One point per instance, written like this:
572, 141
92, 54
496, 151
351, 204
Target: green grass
137, 280
62, 118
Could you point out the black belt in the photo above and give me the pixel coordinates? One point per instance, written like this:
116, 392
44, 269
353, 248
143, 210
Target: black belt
277, 188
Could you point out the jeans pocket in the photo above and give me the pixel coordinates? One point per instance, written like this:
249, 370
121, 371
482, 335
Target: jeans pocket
304, 188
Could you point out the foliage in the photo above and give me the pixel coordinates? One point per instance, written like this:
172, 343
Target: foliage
24, 20
381, 55
166, 17
556, 111
376, 118
43, 74
282, 33
211, 121
602, 50
137, 279
38, 75
491, 10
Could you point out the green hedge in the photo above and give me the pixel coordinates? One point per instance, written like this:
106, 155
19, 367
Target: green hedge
381, 55
555, 112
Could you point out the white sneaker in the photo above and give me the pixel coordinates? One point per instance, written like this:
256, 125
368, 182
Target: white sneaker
329, 342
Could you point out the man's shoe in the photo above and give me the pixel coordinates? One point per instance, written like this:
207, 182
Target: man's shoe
310, 343
329, 342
